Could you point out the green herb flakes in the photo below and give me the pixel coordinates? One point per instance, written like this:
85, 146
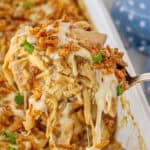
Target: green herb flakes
119, 90
97, 58
19, 99
27, 47
12, 148
11, 137
28, 5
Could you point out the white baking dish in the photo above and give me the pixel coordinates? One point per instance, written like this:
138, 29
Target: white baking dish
129, 131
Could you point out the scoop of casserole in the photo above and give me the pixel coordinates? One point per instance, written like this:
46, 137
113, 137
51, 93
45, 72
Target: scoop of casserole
69, 81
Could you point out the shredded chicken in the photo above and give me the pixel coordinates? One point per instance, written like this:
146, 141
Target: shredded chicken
88, 39
68, 99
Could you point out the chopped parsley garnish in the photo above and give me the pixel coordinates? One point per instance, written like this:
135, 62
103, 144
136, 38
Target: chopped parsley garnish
12, 148
11, 137
27, 46
19, 98
28, 5
119, 90
97, 58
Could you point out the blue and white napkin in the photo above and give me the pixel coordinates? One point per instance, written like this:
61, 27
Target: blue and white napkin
132, 18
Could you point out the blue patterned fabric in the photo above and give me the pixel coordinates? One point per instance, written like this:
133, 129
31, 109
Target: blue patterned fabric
132, 18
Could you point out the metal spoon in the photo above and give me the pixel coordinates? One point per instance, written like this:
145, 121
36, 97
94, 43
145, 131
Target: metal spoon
137, 79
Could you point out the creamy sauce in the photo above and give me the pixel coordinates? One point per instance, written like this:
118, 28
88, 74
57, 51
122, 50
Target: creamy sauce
47, 9
31, 39
33, 17
84, 53
105, 93
38, 105
63, 28
54, 56
66, 128
49, 27
10, 98
23, 33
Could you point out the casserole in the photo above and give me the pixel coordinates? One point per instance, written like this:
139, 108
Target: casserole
60, 87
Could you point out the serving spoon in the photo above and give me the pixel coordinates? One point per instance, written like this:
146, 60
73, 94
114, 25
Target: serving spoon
137, 79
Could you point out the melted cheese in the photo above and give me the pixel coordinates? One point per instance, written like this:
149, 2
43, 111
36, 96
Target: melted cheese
31, 39
66, 128
38, 104
21, 33
47, 9
54, 56
63, 28
25, 31
49, 27
33, 17
82, 53
105, 93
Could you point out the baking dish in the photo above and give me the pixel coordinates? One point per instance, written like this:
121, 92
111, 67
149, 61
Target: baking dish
126, 121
